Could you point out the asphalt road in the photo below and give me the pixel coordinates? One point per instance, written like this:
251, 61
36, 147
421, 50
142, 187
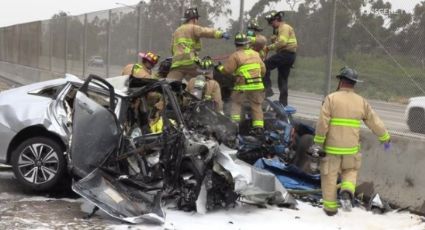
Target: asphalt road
393, 114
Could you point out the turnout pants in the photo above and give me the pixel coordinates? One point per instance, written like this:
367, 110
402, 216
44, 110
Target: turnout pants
255, 99
330, 167
283, 61
186, 72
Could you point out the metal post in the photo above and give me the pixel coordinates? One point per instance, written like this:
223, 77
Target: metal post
1, 44
85, 45
108, 43
139, 30
50, 44
241, 16
66, 44
18, 55
331, 48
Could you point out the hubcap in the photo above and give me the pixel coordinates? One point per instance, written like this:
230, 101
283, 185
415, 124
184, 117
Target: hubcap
38, 163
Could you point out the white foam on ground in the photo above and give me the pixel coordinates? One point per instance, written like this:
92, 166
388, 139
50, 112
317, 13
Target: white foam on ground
246, 217
307, 217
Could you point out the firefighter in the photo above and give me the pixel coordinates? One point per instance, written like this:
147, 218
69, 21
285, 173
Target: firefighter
257, 41
204, 86
143, 70
247, 67
337, 133
186, 44
285, 45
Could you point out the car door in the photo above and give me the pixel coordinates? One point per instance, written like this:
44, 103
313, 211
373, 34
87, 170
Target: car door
95, 128
96, 134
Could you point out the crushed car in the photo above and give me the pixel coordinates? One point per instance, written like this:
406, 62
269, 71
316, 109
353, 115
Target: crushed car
133, 153
104, 138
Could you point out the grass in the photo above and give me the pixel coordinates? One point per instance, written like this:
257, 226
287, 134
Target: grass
383, 78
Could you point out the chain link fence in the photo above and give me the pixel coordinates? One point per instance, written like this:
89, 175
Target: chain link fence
385, 45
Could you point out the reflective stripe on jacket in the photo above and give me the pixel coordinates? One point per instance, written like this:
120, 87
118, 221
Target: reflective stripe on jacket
338, 127
248, 68
137, 70
186, 43
285, 39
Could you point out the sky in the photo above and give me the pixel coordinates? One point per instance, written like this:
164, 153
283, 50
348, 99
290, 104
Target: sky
21, 11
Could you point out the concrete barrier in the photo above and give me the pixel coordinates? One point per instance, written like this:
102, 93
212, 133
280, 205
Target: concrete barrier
398, 175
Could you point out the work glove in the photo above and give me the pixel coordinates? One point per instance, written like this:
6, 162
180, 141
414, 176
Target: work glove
387, 146
217, 66
226, 35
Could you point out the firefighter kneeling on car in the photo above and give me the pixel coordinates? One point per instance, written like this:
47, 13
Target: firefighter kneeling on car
143, 70
204, 86
337, 133
247, 67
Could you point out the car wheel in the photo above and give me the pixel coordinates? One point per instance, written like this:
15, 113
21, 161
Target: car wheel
416, 120
38, 163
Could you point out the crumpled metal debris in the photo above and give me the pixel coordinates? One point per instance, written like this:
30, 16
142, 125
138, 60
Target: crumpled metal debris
377, 205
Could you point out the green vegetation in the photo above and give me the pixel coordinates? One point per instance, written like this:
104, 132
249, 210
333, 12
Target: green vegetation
383, 79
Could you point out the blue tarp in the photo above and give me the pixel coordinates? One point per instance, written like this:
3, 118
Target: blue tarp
289, 175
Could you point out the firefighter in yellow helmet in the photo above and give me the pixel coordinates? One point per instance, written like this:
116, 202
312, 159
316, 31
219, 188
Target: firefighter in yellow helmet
247, 67
285, 44
204, 86
337, 133
257, 41
186, 43
143, 70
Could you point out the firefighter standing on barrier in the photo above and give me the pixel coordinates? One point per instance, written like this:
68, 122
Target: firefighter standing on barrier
337, 133
204, 86
257, 41
285, 45
143, 70
247, 67
186, 44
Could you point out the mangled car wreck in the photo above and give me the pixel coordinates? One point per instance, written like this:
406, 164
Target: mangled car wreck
132, 150
135, 151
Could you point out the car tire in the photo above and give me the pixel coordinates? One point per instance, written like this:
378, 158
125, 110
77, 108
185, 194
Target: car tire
38, 163
416, 120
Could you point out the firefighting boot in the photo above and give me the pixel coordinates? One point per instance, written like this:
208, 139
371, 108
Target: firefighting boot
346, 201
330, 213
